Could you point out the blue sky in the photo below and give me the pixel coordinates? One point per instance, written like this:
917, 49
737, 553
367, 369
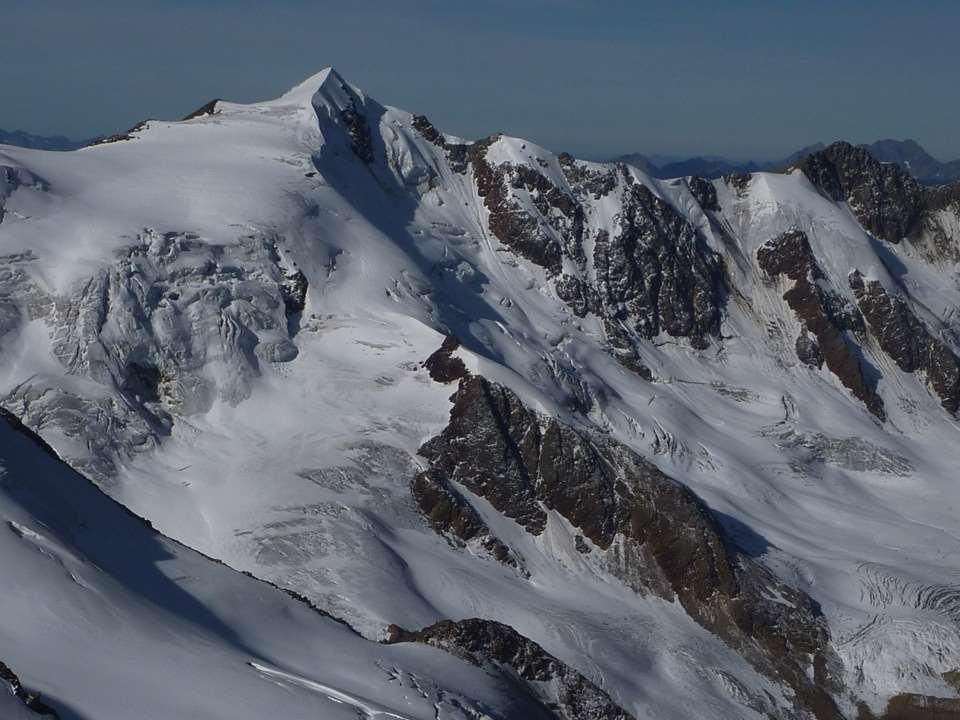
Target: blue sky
740, 78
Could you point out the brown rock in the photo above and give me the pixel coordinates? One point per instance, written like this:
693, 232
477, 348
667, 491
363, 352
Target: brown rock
822, 315
561, 691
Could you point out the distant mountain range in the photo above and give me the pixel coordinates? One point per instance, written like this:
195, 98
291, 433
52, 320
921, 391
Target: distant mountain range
909, 154
40, 142
913, 158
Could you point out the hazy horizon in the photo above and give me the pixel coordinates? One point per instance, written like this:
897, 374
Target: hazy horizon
754, 80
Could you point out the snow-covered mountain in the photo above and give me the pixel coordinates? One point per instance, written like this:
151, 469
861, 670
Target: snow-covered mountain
567, 440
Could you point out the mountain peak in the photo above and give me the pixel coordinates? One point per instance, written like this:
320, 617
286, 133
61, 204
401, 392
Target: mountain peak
327, 82
900, 151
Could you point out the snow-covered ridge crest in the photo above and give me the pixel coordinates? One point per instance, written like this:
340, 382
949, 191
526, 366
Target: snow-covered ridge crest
326, 86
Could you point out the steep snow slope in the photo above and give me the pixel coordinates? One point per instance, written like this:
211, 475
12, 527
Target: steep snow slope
222, 321
108, 619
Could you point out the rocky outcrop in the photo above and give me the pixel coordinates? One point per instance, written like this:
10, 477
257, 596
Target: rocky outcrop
209, 108
823, 316
908, 341
938, 238
457, 153
452, 516
942, 197
474, 450
361, 139
31, 700
541, 238
293, 286
654, 533
442, 365
563, 693
739, 182
703, 192
886, 199
427, 129
576, 293
523, 464
808, 350
350, 114
655, 275
588, 180
122, 136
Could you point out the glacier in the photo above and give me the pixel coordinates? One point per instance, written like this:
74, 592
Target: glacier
222, 323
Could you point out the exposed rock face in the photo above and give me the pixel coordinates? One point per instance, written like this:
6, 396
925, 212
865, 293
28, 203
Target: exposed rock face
354, 121
451, 515
564, 693
808, 350
538, 239
822, 315
457, 153
293, 289
576, 293
524, 464
704, 192
886, 199
481, 410
790, 255
938, 237
427, 129
361, 139
942, 197
908, 341
443, 366
655, 275
123, 136
209, 108
30, 699
521, 463
586, 181
739, 182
